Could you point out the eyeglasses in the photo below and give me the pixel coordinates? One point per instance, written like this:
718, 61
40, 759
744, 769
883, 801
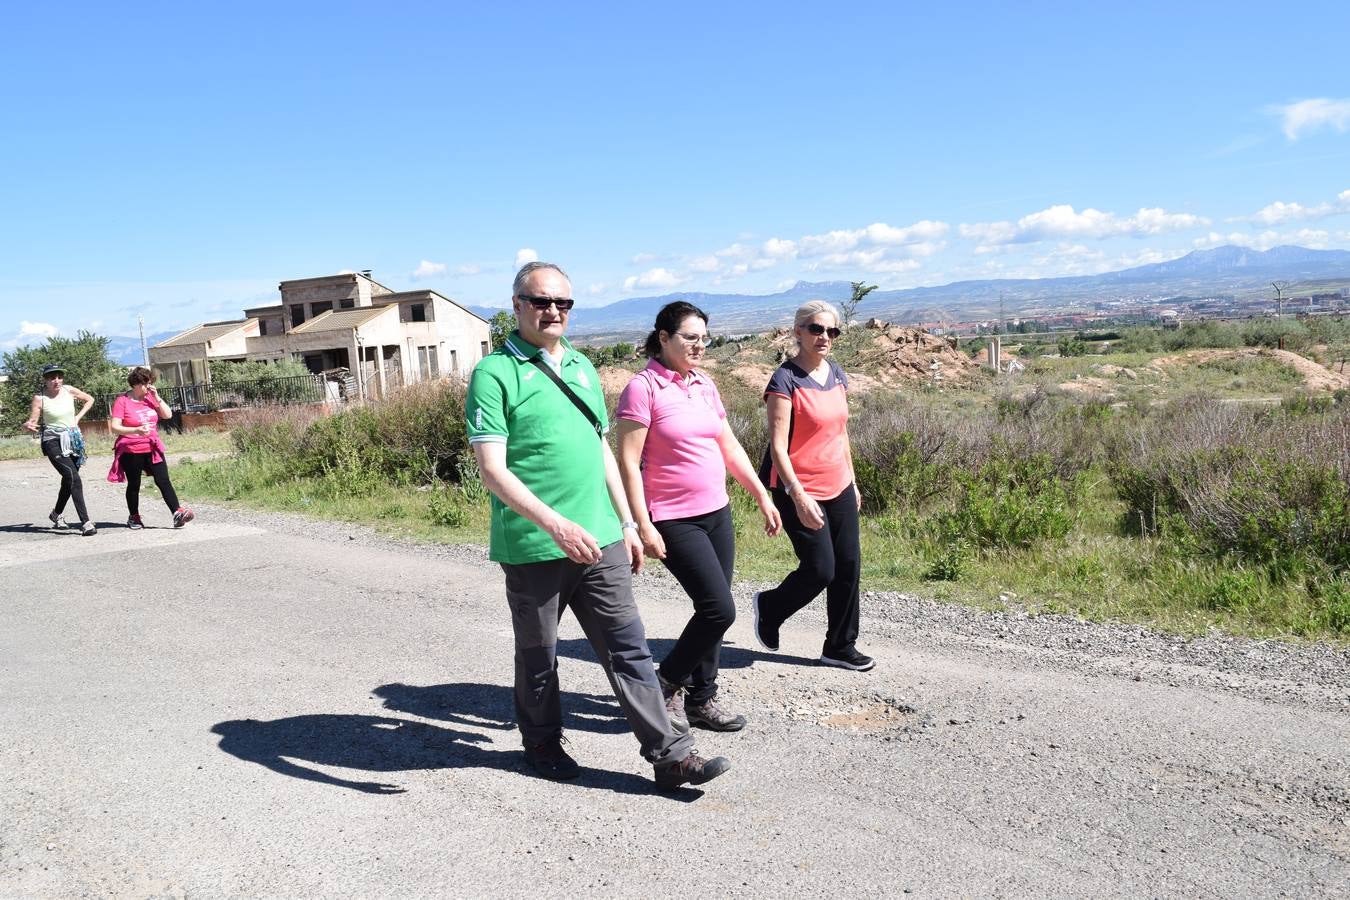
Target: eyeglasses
543, 303
817, 328
694, 340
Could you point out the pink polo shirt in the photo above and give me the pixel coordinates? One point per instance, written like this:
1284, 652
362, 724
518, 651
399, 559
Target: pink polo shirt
682, 469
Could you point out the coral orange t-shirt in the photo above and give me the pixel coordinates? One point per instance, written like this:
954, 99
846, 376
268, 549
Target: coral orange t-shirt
817, 435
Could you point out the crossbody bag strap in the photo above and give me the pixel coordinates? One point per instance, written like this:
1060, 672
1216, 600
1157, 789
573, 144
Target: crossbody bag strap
570, 394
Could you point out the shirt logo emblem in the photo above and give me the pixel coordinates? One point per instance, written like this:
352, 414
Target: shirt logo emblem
582, 379
529, 373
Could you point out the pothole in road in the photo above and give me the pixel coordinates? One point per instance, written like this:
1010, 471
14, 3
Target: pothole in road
878, 715
860, 715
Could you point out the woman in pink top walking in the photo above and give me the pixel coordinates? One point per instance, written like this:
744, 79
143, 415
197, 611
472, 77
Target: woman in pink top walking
135, 421
675, 448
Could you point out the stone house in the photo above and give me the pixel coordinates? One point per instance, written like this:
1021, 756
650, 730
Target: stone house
385, 338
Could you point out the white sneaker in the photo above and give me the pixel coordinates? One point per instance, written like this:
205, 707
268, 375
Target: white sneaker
58, 521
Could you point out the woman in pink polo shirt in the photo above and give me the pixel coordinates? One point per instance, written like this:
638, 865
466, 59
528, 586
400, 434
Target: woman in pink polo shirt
135, 420
809, 466
675, 448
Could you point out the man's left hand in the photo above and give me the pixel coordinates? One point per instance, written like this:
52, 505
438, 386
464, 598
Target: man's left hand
633, 544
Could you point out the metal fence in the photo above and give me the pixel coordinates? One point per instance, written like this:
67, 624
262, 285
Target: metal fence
203, 398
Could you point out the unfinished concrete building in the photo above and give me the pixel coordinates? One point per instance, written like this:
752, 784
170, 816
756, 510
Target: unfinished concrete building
385, 338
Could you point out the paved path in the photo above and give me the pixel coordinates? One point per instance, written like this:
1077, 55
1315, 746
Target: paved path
245, 708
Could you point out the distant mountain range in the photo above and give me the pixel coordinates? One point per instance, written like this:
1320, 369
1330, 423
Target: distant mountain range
1227, 270
1223, 270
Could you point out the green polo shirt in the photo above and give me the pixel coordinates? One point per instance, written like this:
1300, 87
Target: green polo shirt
549, 446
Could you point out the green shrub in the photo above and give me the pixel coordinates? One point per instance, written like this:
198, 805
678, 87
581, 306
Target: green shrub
1012, 503
447, 507
947, 559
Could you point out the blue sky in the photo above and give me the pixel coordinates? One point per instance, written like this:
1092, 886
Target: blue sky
178, 160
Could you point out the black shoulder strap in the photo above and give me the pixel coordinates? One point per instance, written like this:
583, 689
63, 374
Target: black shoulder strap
570, 394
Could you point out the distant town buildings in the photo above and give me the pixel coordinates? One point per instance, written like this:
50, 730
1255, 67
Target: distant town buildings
384, 338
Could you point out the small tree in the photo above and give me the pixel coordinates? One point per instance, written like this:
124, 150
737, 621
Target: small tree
850, 306
501, 324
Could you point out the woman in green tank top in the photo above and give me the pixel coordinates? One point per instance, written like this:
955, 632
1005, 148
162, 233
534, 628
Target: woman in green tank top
61, 441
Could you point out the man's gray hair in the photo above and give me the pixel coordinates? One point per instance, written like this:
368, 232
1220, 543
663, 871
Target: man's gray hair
529, 269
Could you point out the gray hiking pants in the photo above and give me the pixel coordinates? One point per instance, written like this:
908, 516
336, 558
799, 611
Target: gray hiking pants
601, 597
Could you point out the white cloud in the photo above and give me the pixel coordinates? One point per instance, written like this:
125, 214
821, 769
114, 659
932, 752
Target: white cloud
38, 329
658, 279
468, 269
1280, 212
643, 259
428, 269
1306, 116
526, 255
29, 333
597, 288
1264, 240
1062, 221
877, 234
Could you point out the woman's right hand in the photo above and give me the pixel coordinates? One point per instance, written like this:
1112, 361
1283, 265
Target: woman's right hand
30, 425
808, 510
144, 428
652, 543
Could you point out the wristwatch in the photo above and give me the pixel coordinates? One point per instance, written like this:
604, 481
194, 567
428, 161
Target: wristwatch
629, 524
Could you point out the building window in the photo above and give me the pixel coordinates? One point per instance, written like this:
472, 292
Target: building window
297, 315
429, 361
318, 309
262, 328
454, 361
417, 312
348, 303
482, 348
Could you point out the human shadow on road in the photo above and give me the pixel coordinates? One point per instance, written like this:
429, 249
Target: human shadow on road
733, 657
384, 744
491, 706
33, 528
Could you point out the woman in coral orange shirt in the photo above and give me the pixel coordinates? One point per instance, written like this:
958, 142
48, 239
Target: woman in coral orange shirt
810, 472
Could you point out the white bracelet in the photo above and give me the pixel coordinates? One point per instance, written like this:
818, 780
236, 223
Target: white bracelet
629, 524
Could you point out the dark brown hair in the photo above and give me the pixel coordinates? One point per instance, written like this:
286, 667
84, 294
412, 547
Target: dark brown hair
140, 375
668, 320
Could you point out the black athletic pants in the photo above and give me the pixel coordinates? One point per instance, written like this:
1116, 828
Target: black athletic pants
700, 552
830, 560
71, 486
133, 464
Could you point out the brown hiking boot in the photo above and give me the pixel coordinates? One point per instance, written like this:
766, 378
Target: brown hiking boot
693, 769
712, 716
674, 697
550, 760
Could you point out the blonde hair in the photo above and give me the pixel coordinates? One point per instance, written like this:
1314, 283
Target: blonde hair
812, 308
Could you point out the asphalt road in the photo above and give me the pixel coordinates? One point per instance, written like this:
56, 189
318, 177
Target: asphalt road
264, 706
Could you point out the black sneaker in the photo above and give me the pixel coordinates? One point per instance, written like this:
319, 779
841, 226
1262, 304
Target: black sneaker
550, 760
693, 769
765, 636
712, 716
87, 529
848, 659
182, 517
135, 523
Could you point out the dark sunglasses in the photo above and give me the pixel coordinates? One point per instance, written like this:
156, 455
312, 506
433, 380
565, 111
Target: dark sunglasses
543, 303
817, 328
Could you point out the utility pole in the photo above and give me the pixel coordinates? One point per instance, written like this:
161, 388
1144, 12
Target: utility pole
145, 352
1002, 319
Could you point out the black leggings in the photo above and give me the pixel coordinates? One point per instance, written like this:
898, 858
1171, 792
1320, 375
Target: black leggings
71, 486
700, 552
830, 560
133, 464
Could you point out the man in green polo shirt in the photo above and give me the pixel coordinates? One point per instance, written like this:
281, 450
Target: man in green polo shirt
563, 532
